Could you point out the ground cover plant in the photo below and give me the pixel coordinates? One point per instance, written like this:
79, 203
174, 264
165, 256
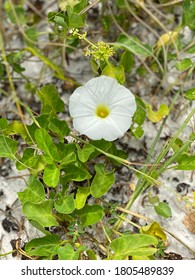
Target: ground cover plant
70, 134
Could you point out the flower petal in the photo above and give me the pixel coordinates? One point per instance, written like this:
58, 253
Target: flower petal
102, 87
81, 98
102, 91
91, 127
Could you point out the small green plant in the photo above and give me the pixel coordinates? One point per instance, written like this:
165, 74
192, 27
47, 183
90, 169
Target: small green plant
72, 172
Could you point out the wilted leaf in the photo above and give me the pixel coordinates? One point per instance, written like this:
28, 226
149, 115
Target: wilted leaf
189, 221
154, 229
157, 116
167, 38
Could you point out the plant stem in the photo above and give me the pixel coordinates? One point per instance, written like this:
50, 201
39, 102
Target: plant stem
142, 182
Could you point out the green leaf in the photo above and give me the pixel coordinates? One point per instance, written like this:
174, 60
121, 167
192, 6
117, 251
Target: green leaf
51, 102
8, 147
90, 214
44, 142
186, 162
60, 21
191, 49
116, 152
91, 254
40, 228
14, 60
140, 113
17, 127
133, 245
116, 72
85, 152
40, 212
100, 144
80, 6
2, 66
64, 204
75, 173
81, 197
127, 61
51, 175
188, 13
138, 118
121, 3
190, 94
67, 153
34, 192
59, 127
75, 21
184, 64
102, 181
42, 121
46, 246
177, 145
163, 210
68, 253
31, 161
18, 15
157, 116
134, 45
3, 124
31, 36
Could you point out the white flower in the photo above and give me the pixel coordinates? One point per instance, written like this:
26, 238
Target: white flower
102, 109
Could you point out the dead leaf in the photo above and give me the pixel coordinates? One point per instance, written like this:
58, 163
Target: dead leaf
189, 221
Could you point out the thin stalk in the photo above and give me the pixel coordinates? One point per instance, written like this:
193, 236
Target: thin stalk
118, 159
151, 221
142, 183
172, 141
176, 155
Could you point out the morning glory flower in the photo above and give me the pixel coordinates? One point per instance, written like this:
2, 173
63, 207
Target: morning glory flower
102, 109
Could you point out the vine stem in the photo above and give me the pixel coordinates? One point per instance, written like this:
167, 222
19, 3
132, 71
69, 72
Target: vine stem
118, 159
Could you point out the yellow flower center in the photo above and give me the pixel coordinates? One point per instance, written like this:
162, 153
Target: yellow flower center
102, 111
